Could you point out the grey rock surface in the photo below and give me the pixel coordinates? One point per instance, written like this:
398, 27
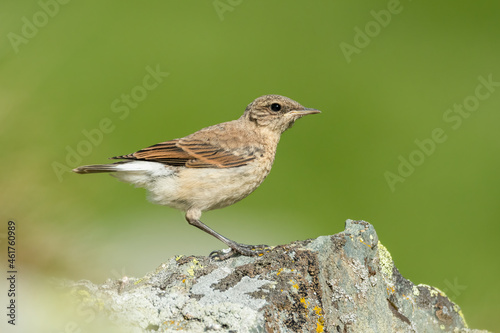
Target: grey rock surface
346, 282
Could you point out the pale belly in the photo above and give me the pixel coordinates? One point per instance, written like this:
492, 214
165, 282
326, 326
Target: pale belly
205, 188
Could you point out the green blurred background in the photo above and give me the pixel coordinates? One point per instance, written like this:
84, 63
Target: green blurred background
63, 66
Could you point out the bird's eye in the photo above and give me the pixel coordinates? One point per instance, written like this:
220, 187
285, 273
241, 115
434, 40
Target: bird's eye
275, 107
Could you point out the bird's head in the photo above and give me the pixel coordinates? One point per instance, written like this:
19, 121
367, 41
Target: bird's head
278, 113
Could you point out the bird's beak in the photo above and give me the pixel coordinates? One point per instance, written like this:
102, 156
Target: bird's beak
304, 112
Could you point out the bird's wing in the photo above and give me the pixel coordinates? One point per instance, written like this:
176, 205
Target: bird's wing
191, 153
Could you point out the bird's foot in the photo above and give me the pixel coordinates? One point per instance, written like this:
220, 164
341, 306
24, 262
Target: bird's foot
240, 249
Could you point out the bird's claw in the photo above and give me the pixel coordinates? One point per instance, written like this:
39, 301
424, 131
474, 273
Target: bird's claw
240, 249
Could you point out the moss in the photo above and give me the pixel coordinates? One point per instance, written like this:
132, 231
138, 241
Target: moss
433, 290
386, 263
461, 315
195, 264
416, 292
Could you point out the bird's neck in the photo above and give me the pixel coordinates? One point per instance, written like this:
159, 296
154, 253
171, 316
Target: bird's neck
265, 135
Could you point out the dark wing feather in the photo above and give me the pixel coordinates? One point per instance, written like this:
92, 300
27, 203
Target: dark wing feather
191, 153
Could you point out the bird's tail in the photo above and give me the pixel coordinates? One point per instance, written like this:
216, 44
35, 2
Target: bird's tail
97, 168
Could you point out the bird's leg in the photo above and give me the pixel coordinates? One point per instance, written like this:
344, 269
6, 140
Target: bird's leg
193, 218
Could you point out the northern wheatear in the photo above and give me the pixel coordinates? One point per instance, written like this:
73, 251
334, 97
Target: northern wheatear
212, 168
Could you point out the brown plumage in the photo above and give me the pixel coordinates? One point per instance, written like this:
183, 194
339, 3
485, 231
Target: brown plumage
190, 153
213, 167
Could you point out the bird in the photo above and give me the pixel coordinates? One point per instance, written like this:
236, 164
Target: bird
212, 168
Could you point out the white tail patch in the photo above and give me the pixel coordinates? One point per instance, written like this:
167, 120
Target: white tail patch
140, 173
153, 168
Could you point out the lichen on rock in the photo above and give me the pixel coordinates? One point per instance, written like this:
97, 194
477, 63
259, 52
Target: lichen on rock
345, 282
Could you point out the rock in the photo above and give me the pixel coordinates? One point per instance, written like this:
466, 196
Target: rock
346, 282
